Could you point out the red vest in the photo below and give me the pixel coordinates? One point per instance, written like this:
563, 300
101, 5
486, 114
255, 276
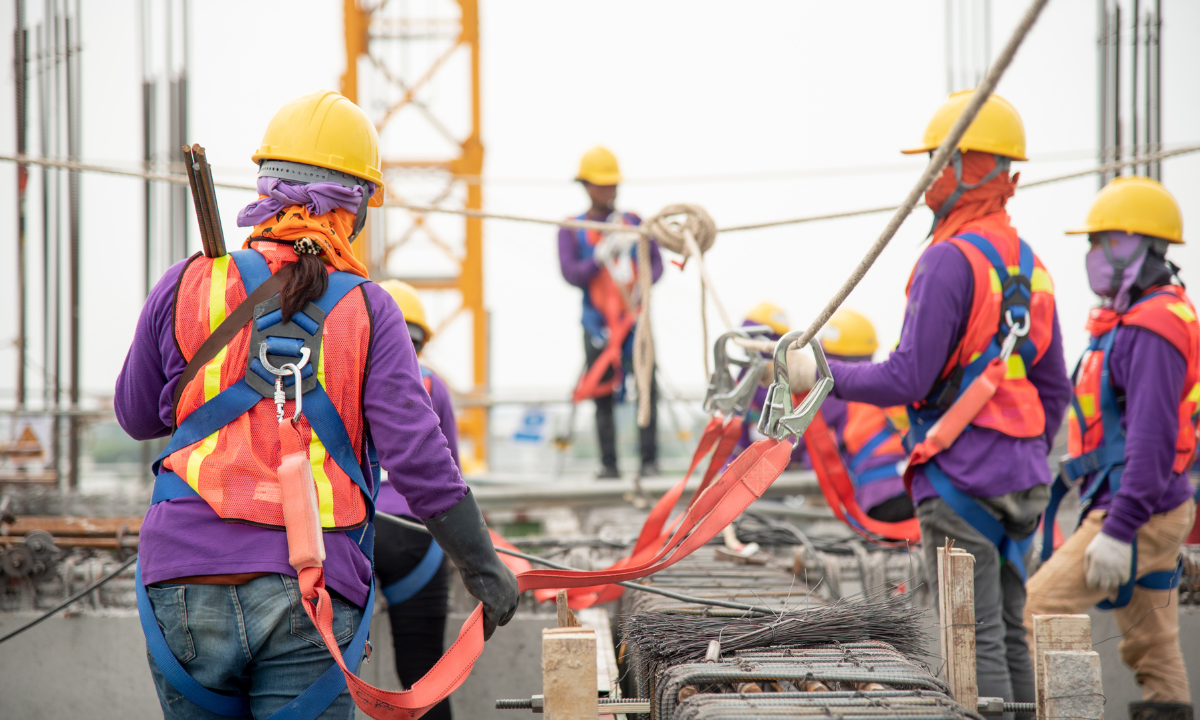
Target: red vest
1168, 313
234, 469
1015, 409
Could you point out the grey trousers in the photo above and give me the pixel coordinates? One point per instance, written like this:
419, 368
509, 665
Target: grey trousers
1002, 665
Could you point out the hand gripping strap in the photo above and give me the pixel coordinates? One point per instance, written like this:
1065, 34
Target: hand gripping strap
418, 578
741, 484
969, 509
839, 490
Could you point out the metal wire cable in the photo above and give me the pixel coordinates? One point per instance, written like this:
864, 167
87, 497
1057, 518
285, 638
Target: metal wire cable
71, 599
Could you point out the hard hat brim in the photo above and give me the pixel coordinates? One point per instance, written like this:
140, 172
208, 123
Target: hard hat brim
603, 180
1089, 231
917, 151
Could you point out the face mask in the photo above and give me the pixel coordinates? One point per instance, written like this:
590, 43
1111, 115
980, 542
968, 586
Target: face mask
1113, 267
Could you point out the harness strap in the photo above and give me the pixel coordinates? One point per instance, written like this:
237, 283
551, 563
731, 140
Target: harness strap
969, 509
741, 484
416, 580
1157, 580
864, 453
838, 489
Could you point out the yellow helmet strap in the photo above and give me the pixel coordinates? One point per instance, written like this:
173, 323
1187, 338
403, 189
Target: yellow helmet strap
304, 173
1003, 162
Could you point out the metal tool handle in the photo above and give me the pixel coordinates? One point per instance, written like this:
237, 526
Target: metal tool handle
779, 419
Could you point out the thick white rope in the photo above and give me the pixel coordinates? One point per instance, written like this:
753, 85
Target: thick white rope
936, 164
583, 224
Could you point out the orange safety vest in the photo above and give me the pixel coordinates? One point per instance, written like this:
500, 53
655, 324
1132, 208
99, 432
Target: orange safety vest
1165, 311
1008, 278
235, 468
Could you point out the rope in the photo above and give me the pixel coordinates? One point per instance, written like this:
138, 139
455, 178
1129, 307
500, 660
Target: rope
689, 231
572, 223
68, 601
936, 164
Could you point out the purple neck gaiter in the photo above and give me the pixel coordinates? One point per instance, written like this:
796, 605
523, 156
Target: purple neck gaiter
1113, 267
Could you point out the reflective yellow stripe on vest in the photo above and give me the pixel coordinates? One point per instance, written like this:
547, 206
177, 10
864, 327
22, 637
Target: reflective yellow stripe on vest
212, 371
316, 458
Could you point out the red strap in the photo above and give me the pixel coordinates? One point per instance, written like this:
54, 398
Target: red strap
835, 483
741, 484
956, 418
607, 299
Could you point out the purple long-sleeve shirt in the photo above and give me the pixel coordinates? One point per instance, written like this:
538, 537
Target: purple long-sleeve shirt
1150, 372
390, 500
579, 269
184, 537
982, 462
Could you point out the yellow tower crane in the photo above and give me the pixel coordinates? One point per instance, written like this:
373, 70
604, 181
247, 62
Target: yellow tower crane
403, 55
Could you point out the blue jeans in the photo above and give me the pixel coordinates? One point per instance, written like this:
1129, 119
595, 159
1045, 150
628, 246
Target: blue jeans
253, 640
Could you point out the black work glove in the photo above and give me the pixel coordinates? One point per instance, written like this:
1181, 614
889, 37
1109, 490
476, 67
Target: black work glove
463, 535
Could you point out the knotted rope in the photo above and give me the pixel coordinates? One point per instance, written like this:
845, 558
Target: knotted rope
685, 230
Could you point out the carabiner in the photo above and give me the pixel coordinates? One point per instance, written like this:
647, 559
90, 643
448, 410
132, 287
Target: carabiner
1015, 333
778, 419
280, 373
728, 396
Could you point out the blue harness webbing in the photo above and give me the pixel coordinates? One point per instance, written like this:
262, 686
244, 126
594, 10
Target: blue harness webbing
210, 417
969, 509
1105, 464
417, 578
875, 474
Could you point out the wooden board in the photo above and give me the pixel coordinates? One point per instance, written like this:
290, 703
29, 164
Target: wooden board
1056, 632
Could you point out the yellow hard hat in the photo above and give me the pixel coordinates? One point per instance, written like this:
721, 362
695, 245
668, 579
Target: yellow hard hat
770, 315
410, 304
849, 334
598, 166
326, 130
996, 129
1135, 205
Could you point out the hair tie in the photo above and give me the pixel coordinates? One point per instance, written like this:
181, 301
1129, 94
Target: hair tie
307, 245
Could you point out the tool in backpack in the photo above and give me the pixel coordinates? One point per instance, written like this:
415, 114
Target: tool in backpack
204, 196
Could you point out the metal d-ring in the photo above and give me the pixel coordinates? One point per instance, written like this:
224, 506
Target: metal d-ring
279, 373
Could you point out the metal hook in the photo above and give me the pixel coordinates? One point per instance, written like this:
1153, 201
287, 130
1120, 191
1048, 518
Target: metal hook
778, 418
1015, 333
724, 394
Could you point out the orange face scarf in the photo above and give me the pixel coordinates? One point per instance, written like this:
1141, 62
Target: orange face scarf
330, 231
973, 204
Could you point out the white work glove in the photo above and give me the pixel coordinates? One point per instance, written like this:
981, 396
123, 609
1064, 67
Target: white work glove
802, 369
604, 251
1106, 562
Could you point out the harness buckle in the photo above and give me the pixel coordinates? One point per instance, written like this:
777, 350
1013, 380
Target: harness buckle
1015, 333
280, 373
779, 419
725, 394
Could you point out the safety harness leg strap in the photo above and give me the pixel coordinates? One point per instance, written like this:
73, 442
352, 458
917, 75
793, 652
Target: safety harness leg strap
417, 578
969, 509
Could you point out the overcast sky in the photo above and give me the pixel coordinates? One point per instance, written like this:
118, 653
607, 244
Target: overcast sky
728, 105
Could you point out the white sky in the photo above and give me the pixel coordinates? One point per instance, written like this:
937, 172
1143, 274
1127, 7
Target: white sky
682, 92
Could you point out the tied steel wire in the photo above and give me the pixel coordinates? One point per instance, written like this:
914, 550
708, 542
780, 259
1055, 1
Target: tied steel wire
674, 638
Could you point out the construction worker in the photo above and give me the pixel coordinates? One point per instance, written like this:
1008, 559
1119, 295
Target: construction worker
868, 438
604, 266
414, 575
1136, 388
974, 285
219, 599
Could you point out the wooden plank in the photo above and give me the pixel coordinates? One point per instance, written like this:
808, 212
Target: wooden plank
566, 618
956, 611
1052, 633
68, 526
607, 684
569, 673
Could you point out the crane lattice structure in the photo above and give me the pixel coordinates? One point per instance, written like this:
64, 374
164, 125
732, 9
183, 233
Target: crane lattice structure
396, 63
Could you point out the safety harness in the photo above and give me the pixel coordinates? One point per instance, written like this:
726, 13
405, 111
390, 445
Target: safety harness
1106, 463
952, 406
283, 343
609, 312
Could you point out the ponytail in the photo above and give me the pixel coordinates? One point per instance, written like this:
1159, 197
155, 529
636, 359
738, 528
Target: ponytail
308, 282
